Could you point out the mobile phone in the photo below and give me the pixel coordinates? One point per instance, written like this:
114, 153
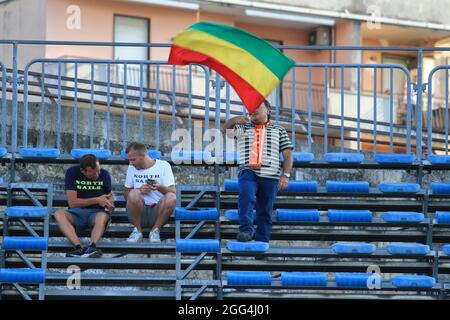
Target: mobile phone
150, 181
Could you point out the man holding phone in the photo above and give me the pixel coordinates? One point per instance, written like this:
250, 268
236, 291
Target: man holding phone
149, 192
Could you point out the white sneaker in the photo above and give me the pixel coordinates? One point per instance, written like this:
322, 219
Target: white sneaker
154, 236
135, 236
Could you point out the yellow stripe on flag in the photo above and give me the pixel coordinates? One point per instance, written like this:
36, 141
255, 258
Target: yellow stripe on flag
249, 68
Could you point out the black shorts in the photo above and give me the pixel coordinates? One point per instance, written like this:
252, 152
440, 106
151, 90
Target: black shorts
84, 218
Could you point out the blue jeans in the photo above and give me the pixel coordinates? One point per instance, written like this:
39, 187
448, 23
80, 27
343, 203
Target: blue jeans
259, 194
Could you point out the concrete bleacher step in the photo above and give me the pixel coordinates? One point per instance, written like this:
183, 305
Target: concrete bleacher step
22, 275
242, 278
99, 153
111, 294
399, 187
25, 243
347, 186
196, 214
343, 157
49, 153
390, 158
26, 211
408, 249
405, 216
353, 248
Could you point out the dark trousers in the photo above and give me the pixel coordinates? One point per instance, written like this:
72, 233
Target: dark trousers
259, 194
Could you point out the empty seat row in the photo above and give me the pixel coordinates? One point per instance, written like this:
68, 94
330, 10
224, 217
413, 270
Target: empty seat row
320, 279
339, 215
338, 186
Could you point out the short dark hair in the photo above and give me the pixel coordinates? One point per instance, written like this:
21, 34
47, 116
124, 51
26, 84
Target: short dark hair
269, 107
88, 161
136, 146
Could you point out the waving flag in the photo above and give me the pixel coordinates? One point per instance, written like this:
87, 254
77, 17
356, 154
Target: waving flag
251, 65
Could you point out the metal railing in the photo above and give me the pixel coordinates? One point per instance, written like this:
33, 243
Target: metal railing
139, 94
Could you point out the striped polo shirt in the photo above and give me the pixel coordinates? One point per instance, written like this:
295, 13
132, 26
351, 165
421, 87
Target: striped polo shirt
275, 141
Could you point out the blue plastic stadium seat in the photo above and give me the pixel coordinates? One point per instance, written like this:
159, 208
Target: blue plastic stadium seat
301, 186
353, 279
348, 186
438, 159
22, 275
25, 243
251, 246
249, 278
413, 281
231, 185
99, 153
154, 154
443, 217
446, 249
39, 152
307, 279
3, 152
353, 248
389, 158
197, 245
196, 214
343, 157
399, 187
189, 156
408, 248
399, 216
233, 215
293, 185
349, 215
26, 211
300, 157
440, 187
297, 215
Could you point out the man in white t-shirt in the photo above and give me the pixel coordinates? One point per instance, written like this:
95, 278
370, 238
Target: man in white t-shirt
149, 192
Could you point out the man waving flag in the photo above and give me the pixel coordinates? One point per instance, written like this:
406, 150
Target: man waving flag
251, 65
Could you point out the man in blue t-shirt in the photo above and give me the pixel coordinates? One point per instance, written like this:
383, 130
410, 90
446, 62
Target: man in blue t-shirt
91, 202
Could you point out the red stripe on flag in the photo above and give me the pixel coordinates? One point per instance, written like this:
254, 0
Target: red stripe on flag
250, 97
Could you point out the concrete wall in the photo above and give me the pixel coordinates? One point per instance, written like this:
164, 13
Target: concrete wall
19, 20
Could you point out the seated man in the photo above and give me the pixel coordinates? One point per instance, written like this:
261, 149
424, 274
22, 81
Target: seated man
149, 192
91, 202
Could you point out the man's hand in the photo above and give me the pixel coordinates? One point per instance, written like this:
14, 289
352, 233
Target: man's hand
283, 183
155, 186
104, 202
145, 189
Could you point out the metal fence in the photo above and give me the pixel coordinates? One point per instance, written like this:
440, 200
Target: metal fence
105, 103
